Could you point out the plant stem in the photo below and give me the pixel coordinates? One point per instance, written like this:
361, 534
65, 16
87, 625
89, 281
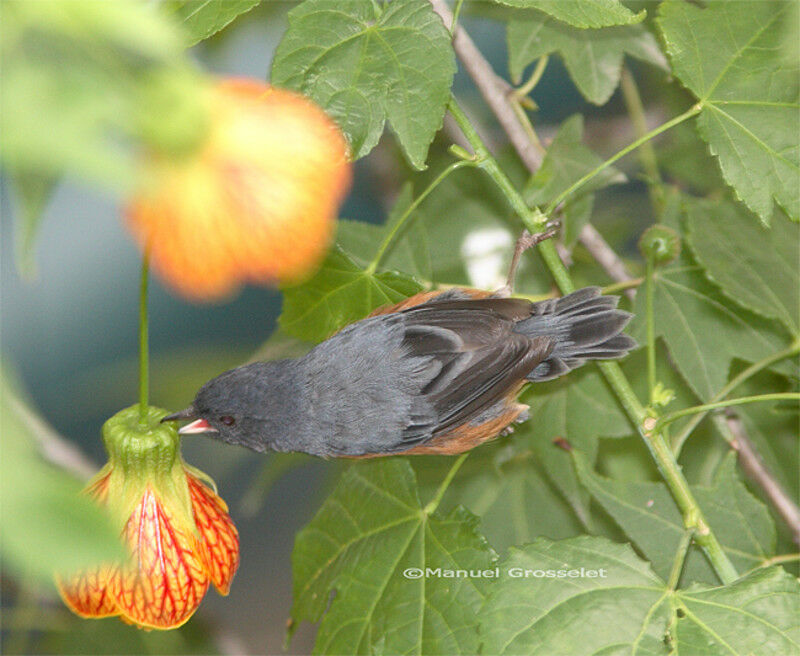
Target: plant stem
692, 111
456, 14
144, 354
752, 370
433, 504
692, 515
777, 396
522, 117
651, 325
401, 221
783, 558
680, 558
647, 155
631, 283
662, 454
530, 85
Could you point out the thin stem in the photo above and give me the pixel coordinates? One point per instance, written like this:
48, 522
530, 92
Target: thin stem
530, 85
647, 155
401, 221
752, 370
631, 283
433, 504
456, 14
692, 111
777, 560
144, 354
651, 326
524, 121
680, 558
761, 398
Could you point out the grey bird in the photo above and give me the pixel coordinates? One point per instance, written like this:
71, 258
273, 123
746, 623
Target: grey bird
438, 373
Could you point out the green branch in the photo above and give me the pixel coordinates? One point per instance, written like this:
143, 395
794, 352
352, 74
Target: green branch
373, 265
534, 219
761, 398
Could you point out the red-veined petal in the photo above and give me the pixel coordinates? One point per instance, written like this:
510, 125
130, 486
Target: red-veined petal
166, 579
218, 534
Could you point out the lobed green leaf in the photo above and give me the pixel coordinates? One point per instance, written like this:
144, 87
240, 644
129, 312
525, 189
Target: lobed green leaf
648, 514
703, 332
754, 266
582, 13
338, 294
625, 611
366, 63
755, 615
730, 57
367, 533
204, 18
593, 57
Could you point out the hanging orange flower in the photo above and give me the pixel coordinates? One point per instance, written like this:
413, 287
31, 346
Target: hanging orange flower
179, 533
256, 203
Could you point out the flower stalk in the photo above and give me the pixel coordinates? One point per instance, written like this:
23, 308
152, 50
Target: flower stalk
144, 348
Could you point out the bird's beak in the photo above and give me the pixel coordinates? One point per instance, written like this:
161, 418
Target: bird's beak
197, 426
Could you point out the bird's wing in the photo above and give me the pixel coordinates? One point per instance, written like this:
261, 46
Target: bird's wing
478, 358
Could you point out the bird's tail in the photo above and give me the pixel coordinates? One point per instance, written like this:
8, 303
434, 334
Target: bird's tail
585, 326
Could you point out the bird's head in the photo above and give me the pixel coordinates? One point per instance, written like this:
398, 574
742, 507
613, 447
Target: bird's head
231, 408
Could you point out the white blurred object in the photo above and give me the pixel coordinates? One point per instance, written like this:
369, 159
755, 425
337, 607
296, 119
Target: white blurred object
485, 254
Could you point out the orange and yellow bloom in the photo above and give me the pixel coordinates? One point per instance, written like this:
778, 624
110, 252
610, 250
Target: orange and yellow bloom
180, 536
256, 203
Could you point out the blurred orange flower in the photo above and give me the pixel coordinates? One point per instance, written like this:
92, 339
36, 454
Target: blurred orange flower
178, 530
256, 203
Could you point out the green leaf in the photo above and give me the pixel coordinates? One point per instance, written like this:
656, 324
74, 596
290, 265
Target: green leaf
647, 513
409, 250
592, 57
366, 63
367, 533
755, 267
580, 409
702, 331
202, 18
684, 157
726, 55
567, 161
338, 294
755, 615
625, 611
508, 488
582, 13
46, 524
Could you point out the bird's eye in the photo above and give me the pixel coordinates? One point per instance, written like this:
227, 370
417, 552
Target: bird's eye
227, 420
